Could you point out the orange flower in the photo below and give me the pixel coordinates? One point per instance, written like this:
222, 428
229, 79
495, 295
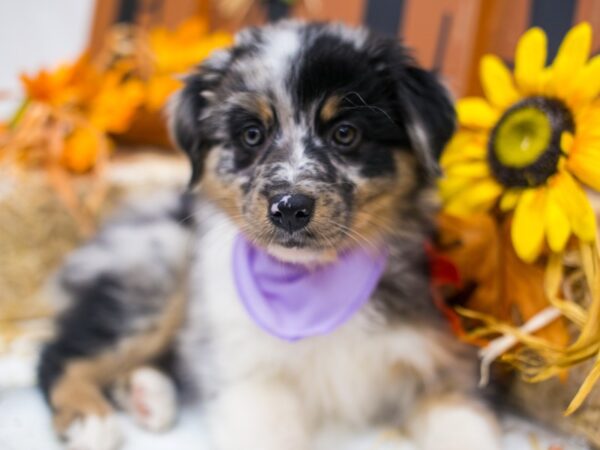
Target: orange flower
158, 90
113, 108
82, 149
178, 51
69, 83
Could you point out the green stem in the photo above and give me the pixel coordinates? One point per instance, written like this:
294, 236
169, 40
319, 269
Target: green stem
14, 121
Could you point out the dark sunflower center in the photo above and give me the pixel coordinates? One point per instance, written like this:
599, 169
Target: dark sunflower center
524, 146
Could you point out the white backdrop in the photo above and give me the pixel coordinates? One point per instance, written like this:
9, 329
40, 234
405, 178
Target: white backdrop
36, 33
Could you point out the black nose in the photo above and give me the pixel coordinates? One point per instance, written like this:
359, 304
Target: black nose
291, 211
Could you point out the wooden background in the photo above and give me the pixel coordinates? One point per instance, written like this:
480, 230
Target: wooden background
448, 35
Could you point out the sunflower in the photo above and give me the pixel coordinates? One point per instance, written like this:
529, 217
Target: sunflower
532, 145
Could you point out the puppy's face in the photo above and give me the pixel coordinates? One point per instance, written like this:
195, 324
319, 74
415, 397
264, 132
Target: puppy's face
312, 138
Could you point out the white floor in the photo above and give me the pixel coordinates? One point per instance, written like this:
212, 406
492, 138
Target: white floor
25, 425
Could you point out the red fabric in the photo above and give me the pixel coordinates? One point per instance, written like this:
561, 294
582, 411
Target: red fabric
442, 269
444, 273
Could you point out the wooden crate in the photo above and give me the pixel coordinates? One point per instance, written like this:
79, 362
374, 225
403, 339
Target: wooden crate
447, 35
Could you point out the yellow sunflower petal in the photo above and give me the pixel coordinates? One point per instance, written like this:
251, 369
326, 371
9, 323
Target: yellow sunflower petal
464, 146
585, 164
476, 112
450, 186
470, 152
471, 169
527, 230
480, 196
573, 201
530, 60
587, 121
566, 141
510, 199
558, 228
586, 85
572, 55
497, 82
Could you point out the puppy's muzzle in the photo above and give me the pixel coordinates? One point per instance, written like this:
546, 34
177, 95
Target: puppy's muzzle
291, 212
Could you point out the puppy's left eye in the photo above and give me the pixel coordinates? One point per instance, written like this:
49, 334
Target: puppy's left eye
345, 135
253, 136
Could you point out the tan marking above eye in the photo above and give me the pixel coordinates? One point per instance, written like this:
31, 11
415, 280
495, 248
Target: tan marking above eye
330, 108
257, 104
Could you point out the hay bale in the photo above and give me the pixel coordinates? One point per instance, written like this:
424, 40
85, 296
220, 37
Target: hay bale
37, 231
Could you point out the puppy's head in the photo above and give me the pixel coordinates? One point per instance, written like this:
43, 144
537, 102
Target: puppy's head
313, 138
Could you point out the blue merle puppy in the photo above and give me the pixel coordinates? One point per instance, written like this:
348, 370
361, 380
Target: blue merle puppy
311, 141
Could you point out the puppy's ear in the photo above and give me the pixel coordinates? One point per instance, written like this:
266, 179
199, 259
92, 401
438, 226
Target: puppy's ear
429, 114
423, 104
188, 112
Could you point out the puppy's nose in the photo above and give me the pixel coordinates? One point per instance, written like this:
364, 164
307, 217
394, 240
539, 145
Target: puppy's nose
291, 211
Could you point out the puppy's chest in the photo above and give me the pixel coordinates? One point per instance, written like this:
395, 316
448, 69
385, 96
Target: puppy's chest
352, 372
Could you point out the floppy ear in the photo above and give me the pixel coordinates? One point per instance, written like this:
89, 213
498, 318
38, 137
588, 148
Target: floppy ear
423, 104
428, 113
187, 112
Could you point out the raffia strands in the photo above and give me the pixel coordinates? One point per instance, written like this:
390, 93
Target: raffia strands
535, 357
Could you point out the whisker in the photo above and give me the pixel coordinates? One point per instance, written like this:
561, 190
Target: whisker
366, 105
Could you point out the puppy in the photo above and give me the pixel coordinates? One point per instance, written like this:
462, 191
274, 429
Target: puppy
290, 287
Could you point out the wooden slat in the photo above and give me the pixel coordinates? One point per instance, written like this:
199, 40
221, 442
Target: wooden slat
350, 12
256, 16
505, 22
589, 10
173, 12
501, 25
421, 31
104, 16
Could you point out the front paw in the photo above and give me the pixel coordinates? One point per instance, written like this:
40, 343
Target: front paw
152, 399
456, 425
94, 433
257, 416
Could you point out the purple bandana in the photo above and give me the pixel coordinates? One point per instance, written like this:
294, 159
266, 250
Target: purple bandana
292, 301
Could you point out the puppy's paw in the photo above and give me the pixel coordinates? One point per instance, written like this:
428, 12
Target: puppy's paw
94, 433
258, 415
456, 425
152, 399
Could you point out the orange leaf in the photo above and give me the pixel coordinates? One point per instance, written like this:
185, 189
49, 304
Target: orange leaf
159, 89
472, 244
81, 150
114, 107
67, 84
495, 280
179, 50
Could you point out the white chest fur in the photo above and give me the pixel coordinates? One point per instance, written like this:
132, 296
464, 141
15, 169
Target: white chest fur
361, 369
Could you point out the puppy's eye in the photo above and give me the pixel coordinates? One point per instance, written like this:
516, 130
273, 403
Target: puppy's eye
253, 136
345, 135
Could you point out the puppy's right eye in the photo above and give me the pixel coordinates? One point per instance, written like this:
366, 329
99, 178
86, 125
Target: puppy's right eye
345, 136
253, 136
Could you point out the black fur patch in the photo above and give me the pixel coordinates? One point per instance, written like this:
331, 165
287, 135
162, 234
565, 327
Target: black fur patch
186, 128
380, 86
94, 323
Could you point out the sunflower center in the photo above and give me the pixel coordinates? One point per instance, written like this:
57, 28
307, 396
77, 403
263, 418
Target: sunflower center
524, 146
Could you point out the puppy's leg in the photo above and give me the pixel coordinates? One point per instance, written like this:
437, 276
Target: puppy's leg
99, 342
454, 423
81, 414
150, 397
258, 415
